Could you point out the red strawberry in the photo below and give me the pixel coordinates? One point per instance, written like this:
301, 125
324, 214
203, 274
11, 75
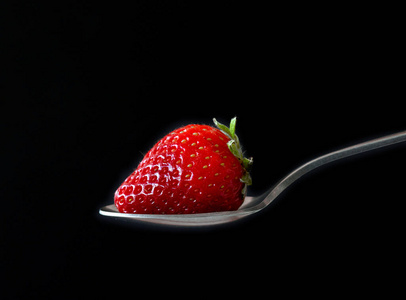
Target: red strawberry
194, 169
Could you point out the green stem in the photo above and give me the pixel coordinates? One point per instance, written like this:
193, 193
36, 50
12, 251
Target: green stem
236, 149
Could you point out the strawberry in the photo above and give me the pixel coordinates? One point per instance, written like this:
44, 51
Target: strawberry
193, 169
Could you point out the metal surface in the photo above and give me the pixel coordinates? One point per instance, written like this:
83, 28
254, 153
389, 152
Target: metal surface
253, 205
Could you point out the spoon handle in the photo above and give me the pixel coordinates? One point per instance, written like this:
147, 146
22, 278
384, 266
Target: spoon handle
359, 148
333, 156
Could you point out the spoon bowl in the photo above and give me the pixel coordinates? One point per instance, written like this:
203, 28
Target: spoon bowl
253, 205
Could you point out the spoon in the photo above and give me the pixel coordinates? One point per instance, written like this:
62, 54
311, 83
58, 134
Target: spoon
253, 205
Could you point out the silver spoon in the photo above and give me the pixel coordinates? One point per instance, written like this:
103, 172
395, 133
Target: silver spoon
253, 205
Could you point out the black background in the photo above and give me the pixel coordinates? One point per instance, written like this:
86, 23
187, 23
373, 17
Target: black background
88, 87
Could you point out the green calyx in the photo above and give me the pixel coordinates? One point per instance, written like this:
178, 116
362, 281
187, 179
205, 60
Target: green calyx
235, 148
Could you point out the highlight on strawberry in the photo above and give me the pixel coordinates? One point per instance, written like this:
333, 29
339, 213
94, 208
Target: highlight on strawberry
193, 169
